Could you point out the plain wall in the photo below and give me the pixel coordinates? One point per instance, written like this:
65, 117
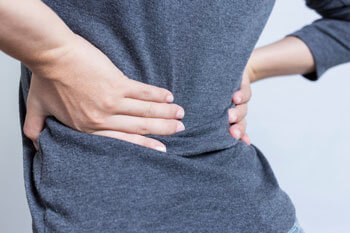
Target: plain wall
302, 127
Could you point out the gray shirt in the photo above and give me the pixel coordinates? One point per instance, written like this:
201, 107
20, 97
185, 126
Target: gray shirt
207, 181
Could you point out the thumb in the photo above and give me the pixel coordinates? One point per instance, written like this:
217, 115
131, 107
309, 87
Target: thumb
33, 125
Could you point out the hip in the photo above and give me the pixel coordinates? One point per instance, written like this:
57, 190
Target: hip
86, 182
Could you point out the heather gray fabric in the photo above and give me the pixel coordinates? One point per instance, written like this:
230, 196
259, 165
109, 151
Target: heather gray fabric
296, 228
328, 38
207, 181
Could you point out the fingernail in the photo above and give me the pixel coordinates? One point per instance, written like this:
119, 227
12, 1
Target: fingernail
161, 148
170, 98
237, 133
180, 127
233, 118
180, 114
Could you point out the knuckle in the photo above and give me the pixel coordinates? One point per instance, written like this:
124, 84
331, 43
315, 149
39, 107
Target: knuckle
238, 113
149, 110
239, 108
29, 132
94, 119
146, 92
108, 104
142, 129
122, 87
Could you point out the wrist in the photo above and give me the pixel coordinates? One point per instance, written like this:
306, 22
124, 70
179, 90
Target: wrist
45, 63
251, 70
258, 65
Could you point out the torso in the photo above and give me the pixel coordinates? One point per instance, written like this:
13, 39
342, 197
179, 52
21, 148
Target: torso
207, 181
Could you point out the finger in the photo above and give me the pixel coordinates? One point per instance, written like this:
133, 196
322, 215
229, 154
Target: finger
243, 95
238, 130
33, 125
141, 125
246, 139
134, 138
237, 113
144, 91
150, 109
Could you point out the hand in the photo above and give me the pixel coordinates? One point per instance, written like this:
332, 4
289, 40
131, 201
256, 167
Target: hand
238, 113
84, 90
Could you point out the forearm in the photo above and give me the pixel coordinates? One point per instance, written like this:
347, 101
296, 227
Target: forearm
32, 33
284, 57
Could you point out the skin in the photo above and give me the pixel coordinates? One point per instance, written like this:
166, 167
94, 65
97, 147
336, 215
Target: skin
237, 114
75, 82
78, 84
287, 56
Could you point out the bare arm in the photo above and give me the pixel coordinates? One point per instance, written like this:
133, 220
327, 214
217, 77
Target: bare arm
32, 33
65, 69
284, 57
311, 50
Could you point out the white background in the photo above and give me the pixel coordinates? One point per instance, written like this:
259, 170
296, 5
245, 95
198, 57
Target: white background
302, 127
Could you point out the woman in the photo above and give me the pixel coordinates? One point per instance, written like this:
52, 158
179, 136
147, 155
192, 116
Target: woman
100, 73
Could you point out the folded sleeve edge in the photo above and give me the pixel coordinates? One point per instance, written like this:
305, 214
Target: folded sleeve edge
313, 48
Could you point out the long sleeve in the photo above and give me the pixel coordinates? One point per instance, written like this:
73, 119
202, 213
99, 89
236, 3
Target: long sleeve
328, 38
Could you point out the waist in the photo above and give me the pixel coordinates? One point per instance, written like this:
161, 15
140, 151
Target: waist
200, 138
204, 137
